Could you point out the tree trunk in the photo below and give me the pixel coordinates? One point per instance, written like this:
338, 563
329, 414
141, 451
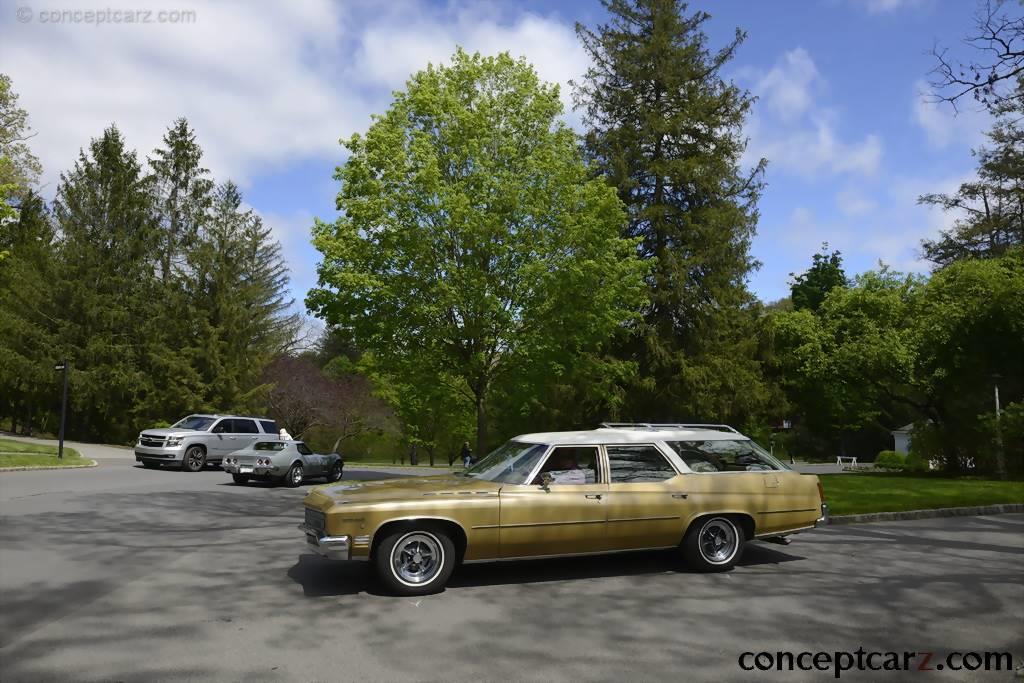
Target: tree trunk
481, 426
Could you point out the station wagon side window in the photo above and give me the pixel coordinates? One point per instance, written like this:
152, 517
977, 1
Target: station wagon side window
304, 449
725, 455
571, 465
640, 463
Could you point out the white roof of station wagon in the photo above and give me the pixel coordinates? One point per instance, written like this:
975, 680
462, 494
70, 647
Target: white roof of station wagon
635, 434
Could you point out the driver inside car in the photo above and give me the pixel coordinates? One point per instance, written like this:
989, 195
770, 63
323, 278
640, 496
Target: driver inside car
563, 470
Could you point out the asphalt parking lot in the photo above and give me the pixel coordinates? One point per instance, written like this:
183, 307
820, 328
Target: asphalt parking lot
123, 574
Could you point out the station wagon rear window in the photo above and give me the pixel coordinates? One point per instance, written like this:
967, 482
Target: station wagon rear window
726, 455
270, 446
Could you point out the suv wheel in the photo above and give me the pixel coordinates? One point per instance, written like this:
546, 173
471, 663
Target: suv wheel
415, 561
294, 476
194, 460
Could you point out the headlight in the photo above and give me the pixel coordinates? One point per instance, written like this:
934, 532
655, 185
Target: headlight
175, 440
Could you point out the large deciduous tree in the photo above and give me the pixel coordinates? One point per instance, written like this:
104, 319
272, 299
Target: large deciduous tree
473, 243
19, 168
666, 130
809, 288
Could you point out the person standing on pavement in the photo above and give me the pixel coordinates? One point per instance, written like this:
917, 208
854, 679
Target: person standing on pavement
466, 455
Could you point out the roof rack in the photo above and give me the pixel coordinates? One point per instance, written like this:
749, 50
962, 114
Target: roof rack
666, 425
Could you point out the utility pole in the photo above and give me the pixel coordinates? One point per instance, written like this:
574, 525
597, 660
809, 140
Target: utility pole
63, 365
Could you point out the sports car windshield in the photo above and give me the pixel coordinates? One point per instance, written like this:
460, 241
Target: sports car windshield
196, 422
509, 464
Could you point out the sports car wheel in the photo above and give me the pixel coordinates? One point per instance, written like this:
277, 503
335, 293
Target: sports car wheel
294, 476
415, 561
713, 544
194, 460
335, 473
240, 478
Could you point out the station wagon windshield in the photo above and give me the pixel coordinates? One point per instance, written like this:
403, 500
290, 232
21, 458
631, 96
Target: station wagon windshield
511, 463
196, 422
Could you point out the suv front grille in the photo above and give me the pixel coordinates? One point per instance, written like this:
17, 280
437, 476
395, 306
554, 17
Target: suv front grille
316, 520
152, 441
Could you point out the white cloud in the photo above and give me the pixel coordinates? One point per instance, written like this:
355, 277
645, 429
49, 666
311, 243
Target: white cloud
787, 87
887, 6
852, 202
798, 134
943, 125
264, 84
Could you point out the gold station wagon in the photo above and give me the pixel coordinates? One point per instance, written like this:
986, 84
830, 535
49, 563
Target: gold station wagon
704, 489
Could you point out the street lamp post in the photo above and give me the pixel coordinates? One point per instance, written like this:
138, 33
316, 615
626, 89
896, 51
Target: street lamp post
1000, 455
63, 365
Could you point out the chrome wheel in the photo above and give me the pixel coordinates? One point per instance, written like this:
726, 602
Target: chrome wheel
295, 475
417, 558
719, 540
335, 472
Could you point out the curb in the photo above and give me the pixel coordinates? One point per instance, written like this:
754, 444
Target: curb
971, 511
39, 468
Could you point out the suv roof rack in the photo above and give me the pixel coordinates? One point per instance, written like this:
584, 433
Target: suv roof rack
667, 425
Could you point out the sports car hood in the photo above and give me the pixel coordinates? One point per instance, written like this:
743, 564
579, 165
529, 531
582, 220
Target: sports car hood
389, 490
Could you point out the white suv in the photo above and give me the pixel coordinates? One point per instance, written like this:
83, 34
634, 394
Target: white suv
199, 440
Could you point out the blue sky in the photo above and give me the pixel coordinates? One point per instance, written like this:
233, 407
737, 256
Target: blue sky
271, 87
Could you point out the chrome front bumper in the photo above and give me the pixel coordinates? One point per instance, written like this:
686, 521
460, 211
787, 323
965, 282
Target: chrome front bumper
823, 520
331, 547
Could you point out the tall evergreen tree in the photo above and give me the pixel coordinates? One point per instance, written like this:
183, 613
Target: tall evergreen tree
27, 316
183, 194
104, 211
665, 129
238, 283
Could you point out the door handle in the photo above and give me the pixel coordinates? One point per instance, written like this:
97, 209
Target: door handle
684, 496
594, 496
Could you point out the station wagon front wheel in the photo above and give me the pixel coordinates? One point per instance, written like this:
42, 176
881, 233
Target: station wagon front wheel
415, 561
713, 544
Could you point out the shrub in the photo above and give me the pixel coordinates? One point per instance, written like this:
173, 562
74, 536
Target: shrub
891, 460
915, 462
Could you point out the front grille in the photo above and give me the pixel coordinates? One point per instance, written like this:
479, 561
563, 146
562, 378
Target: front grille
316, 519
152, 441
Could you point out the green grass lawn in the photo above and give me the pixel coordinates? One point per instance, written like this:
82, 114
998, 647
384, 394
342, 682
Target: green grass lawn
20, 454
851, 494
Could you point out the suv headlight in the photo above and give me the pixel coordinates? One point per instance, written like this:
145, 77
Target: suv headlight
175, 440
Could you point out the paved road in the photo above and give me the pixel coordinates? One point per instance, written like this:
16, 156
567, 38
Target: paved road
123, 574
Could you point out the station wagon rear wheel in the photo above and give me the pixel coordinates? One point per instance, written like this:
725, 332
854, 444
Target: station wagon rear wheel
194, 460
415, 561
713, 544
